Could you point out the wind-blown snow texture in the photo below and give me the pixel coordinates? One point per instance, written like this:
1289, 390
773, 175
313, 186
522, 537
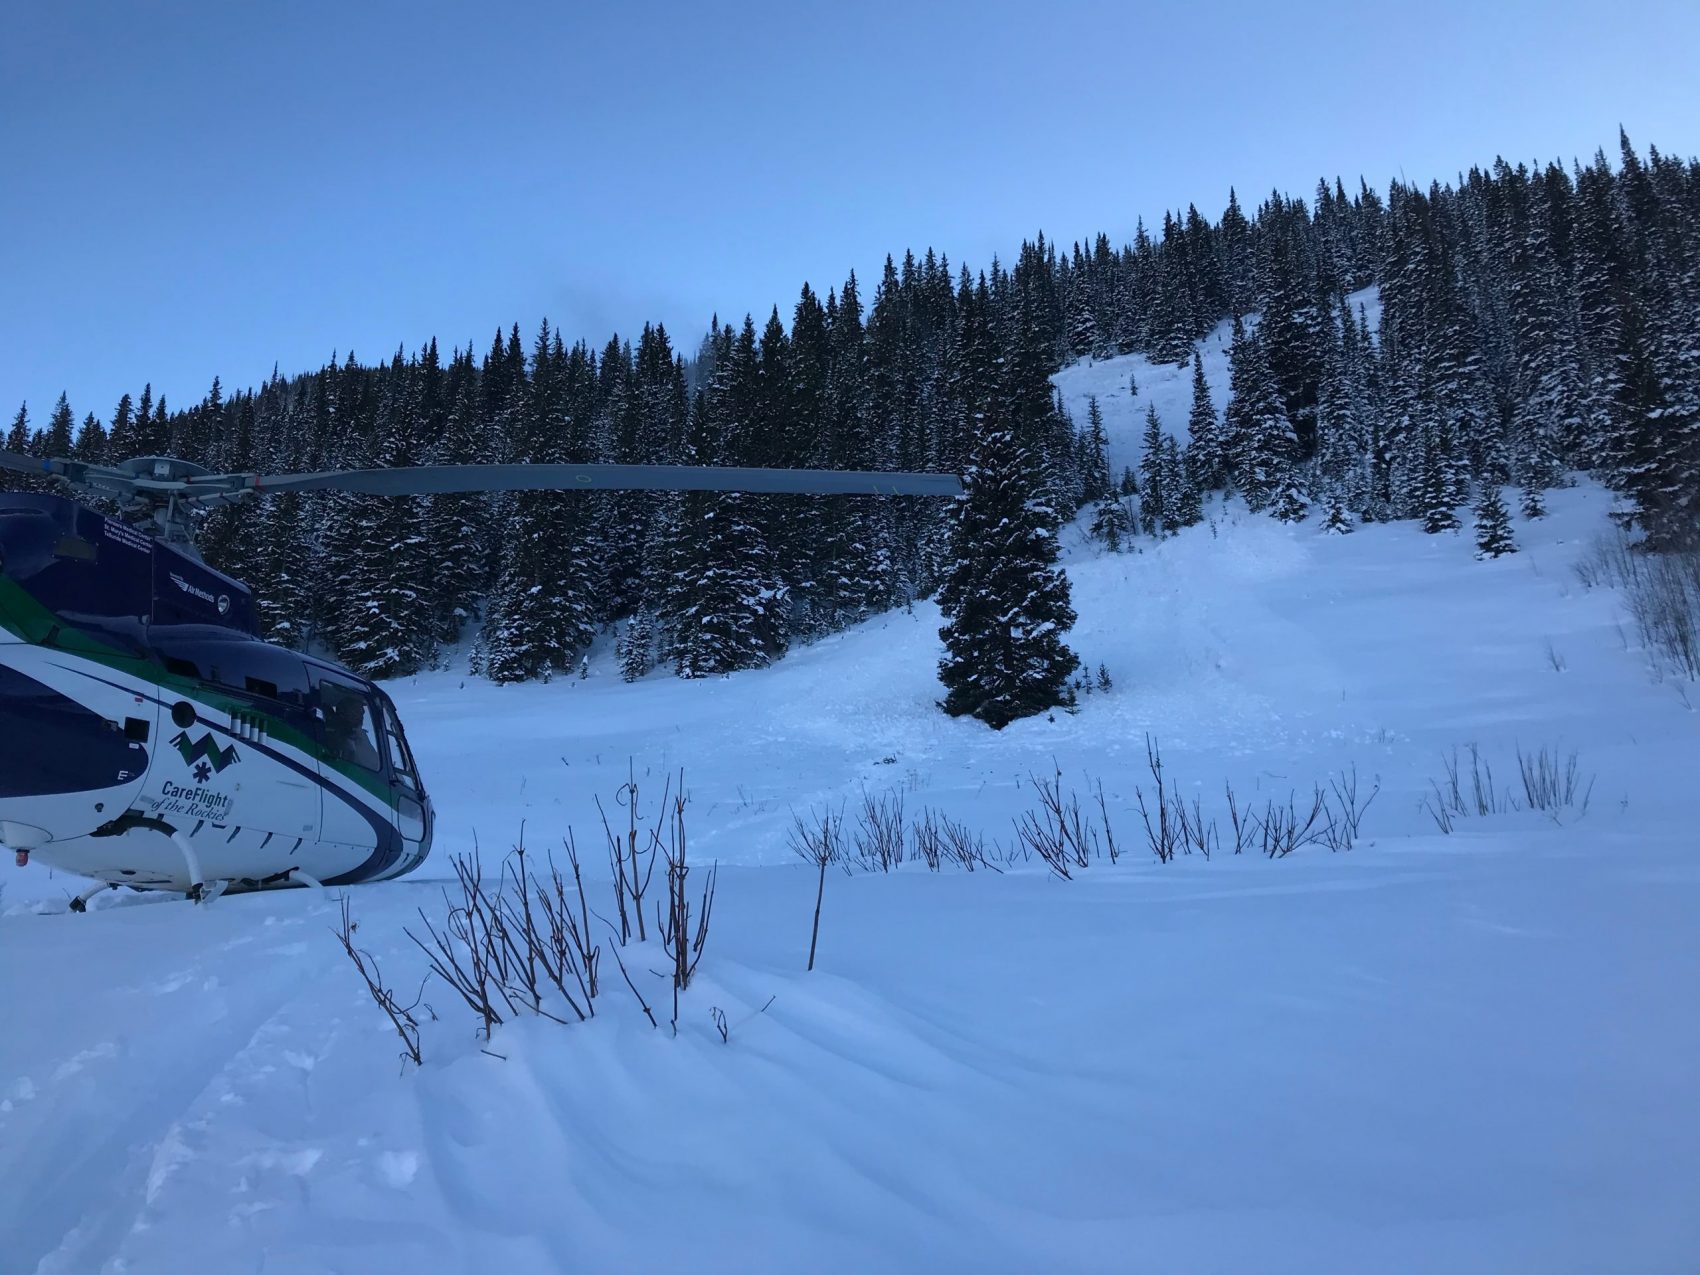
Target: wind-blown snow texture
1463, 1053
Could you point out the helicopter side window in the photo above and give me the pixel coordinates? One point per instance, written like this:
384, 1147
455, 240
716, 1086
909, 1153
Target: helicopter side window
401, 757
350, 732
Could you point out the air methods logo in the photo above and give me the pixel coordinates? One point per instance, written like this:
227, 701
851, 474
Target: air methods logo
204, 755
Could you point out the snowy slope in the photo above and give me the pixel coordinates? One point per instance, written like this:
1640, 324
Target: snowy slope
1167, 386
1462, 1053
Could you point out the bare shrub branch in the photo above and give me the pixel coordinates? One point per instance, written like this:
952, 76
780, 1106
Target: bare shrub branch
683, 942
1057, 832
879, 831
1347, 813
402, 1017
820, 842
1104, 818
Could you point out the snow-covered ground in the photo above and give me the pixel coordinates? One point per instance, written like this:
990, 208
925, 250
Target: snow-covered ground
1465, 1052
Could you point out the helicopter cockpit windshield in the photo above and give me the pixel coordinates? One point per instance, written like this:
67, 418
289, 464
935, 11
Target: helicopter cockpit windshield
351, 733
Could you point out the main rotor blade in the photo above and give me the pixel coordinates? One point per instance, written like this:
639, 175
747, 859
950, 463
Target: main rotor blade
421, 480
25, 464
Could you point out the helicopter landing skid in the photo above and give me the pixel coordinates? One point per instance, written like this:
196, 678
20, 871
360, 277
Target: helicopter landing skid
200, 889
207, 891
81, 902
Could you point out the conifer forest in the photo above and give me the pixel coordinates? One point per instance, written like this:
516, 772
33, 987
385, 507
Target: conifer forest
1535, 321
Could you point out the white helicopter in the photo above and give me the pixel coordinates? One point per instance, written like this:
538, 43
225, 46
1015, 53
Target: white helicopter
150, 738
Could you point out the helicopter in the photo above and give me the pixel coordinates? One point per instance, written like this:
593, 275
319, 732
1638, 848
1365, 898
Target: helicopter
151, 738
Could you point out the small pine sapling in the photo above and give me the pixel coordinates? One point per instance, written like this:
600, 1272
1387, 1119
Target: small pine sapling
1290, 506
1534, 502
1493, 524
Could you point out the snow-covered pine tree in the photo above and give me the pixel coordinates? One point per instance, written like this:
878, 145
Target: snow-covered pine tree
1112, 521
1182, 506
1204, 452
1005, 600
460, 525
635, 647
1261, 447
1532, 502
541, 618
1659, 409
1153, 495
1438, 495
18, 443
1493, 524
1083, 339
18, 437
1290, 504
60, 427
1547, 389
91, 440
1338, 522
727, 601
1094, 457
383, 605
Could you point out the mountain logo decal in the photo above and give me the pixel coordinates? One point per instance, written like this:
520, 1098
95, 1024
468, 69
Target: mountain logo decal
204, 755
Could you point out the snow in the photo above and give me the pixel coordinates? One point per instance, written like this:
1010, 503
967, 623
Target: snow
1465, 1053
1167, 386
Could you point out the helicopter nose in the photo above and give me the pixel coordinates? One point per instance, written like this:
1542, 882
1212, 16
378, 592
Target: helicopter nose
53, 750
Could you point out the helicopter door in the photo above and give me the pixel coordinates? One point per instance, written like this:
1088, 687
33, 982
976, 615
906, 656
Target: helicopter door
406, 790
353, 758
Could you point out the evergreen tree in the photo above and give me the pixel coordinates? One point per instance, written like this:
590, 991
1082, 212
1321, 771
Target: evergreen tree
635, 649
731, 616
57, 442
1083, 338
381, 587
1181, 504
1005, 600
1260, 445
1205, 460
18, 437
1533, 502
1154, 493
1438, 494
541, 618
18, 443
91, 440
460, 525
1659, 456
1493, 524
1112, 521
1094, 462
1338, 522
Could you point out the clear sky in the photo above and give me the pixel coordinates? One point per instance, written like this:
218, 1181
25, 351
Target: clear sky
198, 188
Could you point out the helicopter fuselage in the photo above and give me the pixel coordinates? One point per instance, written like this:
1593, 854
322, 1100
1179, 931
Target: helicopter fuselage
148, 736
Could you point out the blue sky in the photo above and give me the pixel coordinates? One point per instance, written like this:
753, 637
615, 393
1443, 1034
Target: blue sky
190, 189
